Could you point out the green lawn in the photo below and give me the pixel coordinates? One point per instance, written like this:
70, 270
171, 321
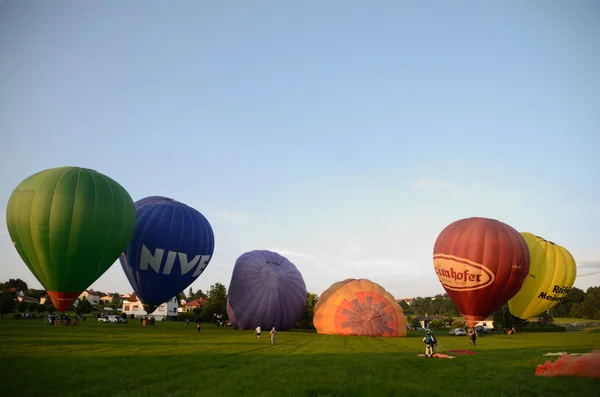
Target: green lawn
170, 359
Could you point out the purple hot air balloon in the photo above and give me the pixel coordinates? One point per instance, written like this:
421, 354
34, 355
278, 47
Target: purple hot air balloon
266, 289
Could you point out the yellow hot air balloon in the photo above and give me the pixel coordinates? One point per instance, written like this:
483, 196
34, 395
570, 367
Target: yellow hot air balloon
551, 275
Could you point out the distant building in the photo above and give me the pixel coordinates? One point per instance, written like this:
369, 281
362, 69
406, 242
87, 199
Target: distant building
132, 305
191, 305
91, 296
27, 299
407, 300
488, 323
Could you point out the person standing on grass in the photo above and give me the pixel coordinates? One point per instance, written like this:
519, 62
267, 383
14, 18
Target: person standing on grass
199, 326
273, 335
429, 341
472, 336
258, 331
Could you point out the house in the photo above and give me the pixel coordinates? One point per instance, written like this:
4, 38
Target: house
487, 323
45, 299
407, 300
27, 299
133, 306
191, 305
426, 319
91, 296
106, 298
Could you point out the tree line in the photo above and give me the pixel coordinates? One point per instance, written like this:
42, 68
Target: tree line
577, 304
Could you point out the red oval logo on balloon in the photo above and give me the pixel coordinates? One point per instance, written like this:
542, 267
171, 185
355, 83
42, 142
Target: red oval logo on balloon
460, 274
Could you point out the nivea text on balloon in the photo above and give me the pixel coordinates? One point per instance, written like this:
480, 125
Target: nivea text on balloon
154, 261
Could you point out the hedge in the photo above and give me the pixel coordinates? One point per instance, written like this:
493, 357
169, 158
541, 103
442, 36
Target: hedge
541, 329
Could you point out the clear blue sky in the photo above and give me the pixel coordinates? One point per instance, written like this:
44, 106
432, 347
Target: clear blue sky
344, 134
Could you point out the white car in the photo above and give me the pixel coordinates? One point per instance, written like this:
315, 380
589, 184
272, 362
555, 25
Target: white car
113, 318
458, 332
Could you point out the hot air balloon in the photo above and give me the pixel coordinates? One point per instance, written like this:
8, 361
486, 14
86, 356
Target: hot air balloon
359, 307
171, 246
266, 289
69, 225
481, 264
551, 275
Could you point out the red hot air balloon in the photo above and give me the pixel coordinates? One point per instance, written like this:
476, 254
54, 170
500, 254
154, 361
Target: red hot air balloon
481, 264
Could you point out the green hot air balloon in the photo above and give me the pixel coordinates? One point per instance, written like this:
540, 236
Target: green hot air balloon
69, 225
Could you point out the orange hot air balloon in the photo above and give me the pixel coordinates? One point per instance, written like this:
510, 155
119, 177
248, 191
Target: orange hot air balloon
359, 307
481, 263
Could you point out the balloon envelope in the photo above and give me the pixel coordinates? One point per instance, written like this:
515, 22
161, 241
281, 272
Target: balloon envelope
266, 289
551, 275
359, 307
171, 246
481, 263
69, 225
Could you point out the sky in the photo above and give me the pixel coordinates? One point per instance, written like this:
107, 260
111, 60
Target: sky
344, 135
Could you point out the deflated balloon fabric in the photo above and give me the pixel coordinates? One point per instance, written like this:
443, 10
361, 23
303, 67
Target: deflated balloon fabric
359, 307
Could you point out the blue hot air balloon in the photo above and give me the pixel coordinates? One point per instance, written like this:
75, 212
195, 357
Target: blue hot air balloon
266, 289
171, 246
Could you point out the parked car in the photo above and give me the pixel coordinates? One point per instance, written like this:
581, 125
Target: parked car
459, 332
481, 330
113, 318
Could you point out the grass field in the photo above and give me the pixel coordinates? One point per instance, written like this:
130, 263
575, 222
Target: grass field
170, 359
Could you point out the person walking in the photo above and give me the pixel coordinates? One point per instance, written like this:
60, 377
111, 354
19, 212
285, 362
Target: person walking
199, 326
472, 336
273, 335
258, 331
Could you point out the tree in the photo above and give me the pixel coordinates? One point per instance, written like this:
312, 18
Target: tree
40, 308
576, 311
115, 301
563, 308
15, 283
436, 324
7, 303
22, 307
199, 295
415, 323
216, 304
591, 303
405, 306
499, 316
190, 293
31, 307
84, 306
306, 321
458, 324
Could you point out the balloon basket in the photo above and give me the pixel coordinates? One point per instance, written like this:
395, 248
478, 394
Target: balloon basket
61, 323
147, 323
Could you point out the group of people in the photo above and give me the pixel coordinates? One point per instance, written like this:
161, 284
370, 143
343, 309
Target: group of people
258, 330
273, 333
431, 341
